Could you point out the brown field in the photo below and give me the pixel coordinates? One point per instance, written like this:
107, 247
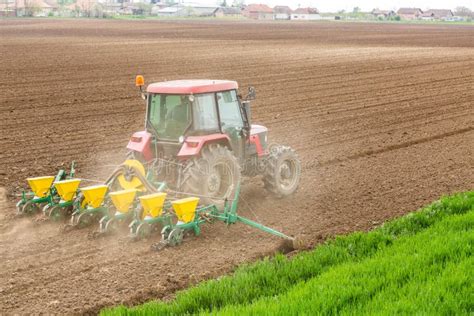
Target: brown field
382, 116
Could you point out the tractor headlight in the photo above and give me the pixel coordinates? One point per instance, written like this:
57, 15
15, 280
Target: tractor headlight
181, 139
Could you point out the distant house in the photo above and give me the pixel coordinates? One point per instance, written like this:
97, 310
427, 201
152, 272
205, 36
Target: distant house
182, 11
170, 11
258, 12
114, 8
82, 7
231, 12
201, 11
410, 13
128, 9
7, 8
33, 8
437, 14
305, 14
385, 14
159, 3
282, 12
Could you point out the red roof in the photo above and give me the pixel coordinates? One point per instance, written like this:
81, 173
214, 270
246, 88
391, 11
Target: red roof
282, 9
192, 86
258, 8
442, 13
409, 11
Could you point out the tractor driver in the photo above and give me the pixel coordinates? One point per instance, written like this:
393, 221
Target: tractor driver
177, 118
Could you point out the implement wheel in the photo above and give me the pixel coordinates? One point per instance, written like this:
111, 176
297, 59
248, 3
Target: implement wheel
213, 177
55, 213
175, 237
81, 220
143, 230
282, 171
111, 225
29, 207
46, 208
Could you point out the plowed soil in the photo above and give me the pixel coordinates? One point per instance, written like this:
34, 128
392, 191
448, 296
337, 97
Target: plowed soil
382, 116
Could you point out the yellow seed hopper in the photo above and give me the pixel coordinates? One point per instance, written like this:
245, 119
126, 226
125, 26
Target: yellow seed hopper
42, 193
67, 188
123, 199
185, 209
40, 185
152, 204
94, 195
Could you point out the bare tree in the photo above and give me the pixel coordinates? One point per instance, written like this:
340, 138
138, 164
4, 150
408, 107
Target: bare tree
31, 7
464, 12
238, 3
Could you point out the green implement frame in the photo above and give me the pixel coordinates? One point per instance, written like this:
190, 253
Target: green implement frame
84, 216
172, 234
28, 204
141, 227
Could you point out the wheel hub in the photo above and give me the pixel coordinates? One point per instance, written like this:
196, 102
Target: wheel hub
285, 171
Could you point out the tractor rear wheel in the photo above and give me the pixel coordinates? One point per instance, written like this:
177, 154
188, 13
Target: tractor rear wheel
282, 171
213, 177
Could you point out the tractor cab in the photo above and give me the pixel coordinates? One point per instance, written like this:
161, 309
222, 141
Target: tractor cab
199, 139
186, 114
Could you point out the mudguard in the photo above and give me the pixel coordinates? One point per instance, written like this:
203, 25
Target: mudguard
258, 138
141, 142
193, 144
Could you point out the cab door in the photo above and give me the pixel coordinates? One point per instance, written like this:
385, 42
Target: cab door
231, 120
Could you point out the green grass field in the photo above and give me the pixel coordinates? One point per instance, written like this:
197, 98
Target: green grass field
421, 263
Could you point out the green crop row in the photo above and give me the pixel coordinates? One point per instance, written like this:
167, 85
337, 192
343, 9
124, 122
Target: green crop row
428, 273
420, 262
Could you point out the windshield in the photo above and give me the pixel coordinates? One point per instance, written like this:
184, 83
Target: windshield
169, 115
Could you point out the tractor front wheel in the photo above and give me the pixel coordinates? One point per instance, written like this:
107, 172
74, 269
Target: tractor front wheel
282, 171
213, 177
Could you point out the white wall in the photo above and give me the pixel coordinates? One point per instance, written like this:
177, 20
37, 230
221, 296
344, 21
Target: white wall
282, 16
305, 17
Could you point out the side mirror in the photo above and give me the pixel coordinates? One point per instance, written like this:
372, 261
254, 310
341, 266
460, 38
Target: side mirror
252, 94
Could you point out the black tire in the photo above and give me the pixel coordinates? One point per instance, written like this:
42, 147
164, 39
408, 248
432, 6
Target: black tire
282, 171
213, 177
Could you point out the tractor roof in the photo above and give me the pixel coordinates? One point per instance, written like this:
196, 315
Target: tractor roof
191, 86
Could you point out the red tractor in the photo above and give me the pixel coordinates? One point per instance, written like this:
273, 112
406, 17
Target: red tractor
199, 138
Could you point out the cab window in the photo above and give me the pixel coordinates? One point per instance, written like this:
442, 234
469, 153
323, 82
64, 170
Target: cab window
229, 109
204, 113
169, 115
